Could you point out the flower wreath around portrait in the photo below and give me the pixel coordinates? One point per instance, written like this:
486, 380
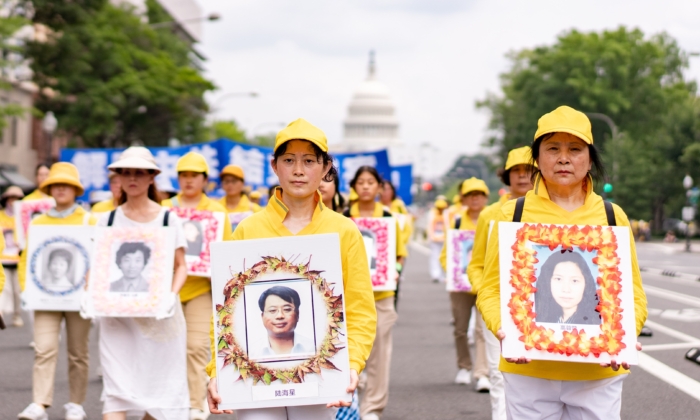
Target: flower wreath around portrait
234, 354
29, 208
601, 239
201, 265
379, 227
56, 240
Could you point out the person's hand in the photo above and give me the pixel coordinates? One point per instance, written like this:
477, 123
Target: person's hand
170, 302
214, 399
517, 360
616, 366
354, 380
84, 306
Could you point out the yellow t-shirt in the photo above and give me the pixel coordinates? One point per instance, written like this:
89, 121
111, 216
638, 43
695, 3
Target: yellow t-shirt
244, 205
475, 269
103, 206
196, 285
7, 223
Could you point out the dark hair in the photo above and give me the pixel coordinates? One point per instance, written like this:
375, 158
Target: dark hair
203, 173
285, 293
61, 253
271, 191
131, 248
321, 156
598, 169
39, 166
152, 189
504, 174
547, 310
369, 169
387, 183
338, 201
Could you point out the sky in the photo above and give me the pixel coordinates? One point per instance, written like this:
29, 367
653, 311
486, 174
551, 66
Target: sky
438, 57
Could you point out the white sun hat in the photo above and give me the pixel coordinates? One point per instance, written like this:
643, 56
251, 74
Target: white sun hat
135, 157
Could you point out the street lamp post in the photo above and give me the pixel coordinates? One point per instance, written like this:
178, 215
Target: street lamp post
688, 211
170, 23
49, 125
614, 131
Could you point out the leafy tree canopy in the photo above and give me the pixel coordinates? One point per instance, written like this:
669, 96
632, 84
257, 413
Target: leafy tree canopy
11, 49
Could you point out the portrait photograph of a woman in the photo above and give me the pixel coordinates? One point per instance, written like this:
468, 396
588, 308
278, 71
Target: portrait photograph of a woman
59, 269
194, 237
132, 258
370, 247
566, 290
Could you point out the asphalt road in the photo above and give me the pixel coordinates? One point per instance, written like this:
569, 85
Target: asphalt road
664, 386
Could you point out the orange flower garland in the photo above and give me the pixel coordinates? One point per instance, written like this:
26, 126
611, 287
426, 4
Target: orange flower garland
589, 238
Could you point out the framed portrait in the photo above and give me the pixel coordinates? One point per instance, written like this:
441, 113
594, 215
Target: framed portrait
459, 252
280, 322
202, 228
25, 211
379, 235
58, 262
566, 292
132, 271
11, 251
236, 218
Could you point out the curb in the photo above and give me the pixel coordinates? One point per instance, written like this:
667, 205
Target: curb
670, 273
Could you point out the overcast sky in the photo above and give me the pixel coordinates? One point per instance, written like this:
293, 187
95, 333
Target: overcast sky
438, 57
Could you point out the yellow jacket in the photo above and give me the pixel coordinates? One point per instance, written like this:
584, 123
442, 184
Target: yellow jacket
195, 285
103, 206
8, 222
35, 195
2, 270
79, 217
400, 244
244, 205
360, 314
475, 269
465, 224
539, 208
451, 213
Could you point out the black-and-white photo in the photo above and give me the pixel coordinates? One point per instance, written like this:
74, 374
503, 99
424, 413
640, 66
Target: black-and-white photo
194, 236
11, 246
370, 240
59, 267
132, 259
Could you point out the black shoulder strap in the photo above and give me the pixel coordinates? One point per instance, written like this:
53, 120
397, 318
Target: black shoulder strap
387, 214
110, 221
458, 222
166, 216
519, 205
610, 213
346, 213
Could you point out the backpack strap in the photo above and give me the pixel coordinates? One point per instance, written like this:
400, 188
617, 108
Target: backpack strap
387, 214
110, 221
518, 214
166, 217
609, 213
458, 222
346, 213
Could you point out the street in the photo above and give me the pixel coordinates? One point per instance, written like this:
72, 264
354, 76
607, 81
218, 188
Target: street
666, 385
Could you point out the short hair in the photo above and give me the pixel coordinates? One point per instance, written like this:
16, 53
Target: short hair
387, 183
285, 293
132, 247
41, 165
63, 253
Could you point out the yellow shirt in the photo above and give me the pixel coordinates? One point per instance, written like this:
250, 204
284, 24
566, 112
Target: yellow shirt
360, 313
466, 223
2, 271
539, 208
35, 195
7, 222
400, 244
77, 218
243, 205
196, 285
475, 269
103, 206
451, 213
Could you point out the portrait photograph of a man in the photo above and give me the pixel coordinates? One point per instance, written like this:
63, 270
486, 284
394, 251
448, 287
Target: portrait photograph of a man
131, 259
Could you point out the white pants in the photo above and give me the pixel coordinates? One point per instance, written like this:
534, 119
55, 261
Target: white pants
304, 412
436, 271
493, 356
544, 399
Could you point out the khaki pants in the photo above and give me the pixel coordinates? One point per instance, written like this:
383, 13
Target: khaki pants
198, 317
12, 280
462, 304
47, 326
375, 395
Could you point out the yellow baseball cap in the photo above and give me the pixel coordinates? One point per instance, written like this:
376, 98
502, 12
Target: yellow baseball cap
255, 195
441, 203
565, 120
456, 199
474, 184
192, 162
301, 129
519, 156
62, 173
233, 170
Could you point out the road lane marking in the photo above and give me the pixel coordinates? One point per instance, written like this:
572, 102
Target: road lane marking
674, 296
421, 248
669, 375
673, 346
671, 332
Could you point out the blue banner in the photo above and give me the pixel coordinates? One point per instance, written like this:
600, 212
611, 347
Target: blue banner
402, 179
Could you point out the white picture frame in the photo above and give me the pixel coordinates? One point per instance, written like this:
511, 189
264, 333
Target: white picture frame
58, 263
553, 281
25, 211
201, 229
251, 373
379, 234
459, 247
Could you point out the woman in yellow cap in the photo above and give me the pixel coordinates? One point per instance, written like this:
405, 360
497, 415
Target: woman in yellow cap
397, 207
144, 360
115, 187
375, 395
195, 295
40, 173
517, 175
474, 195
568, 162
436, 237
10, 253
255, 197
63, 184
235, 201
301, 161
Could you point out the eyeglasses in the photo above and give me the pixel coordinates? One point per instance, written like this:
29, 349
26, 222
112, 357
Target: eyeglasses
286, 310
290, 160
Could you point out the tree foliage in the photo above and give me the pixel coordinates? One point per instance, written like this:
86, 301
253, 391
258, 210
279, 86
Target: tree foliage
117, 79
637, 81
11, 55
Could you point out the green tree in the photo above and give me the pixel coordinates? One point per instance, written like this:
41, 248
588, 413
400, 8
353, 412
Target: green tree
228, 130
117, 79
635, 80
11, 55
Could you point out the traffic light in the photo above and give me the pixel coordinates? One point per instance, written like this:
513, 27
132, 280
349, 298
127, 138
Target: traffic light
607, 188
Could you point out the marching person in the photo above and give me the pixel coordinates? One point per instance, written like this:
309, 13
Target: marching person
115, 187
156, 386
517, 175
455, 208
475, 194
396, 206
301, 161
63, 184
195, 295
10, 253
375, 393
436, 236
255, 197
331, 196
567, 162
233, 183
40, 173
